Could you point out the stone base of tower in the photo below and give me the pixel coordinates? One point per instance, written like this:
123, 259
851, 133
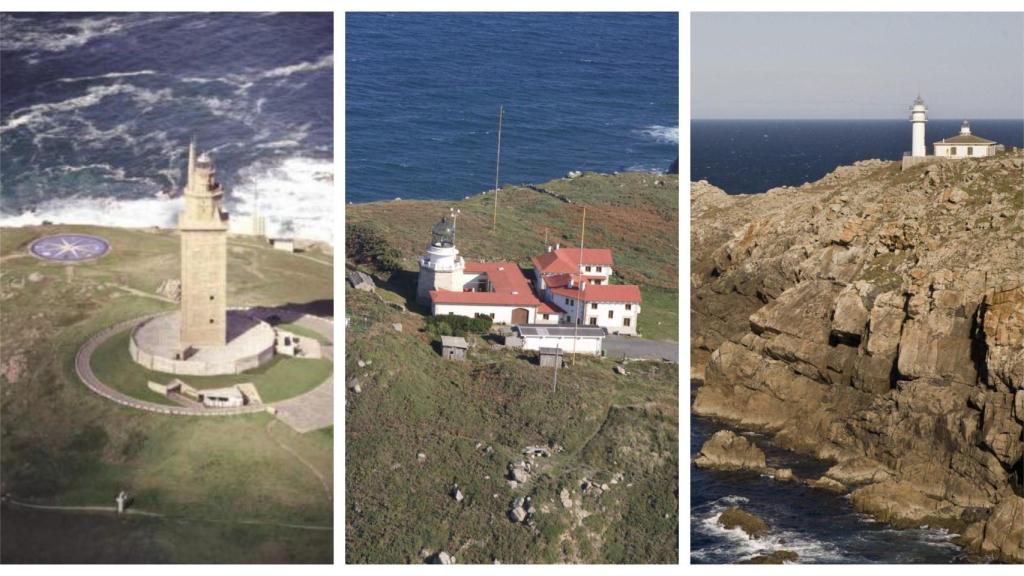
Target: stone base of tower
156, 345
911, 161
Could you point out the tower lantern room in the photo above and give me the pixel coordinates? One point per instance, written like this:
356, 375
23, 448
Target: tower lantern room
441, 267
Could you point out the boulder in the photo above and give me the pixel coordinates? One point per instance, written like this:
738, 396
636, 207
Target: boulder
736, 518
784, 475
727, 451
35, 277
776, 557
902, 505
849, 317
565, 498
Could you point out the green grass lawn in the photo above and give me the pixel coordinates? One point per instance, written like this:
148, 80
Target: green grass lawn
300, 330
659, 314
281, 378
64, 444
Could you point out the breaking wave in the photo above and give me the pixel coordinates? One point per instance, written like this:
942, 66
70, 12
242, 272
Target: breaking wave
663, 134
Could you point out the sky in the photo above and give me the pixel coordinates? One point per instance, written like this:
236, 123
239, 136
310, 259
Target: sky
856, 65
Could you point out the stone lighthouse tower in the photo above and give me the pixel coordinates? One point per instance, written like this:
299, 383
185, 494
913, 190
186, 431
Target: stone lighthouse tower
918, 118
204, 229
441, 267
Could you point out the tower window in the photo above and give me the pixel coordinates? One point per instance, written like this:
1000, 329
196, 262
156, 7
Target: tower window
211, 320
211, 298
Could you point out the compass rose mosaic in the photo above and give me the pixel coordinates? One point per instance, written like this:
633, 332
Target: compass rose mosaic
69, 247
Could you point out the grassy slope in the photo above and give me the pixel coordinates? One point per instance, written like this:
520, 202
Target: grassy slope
413, 401
628, 213
63, 444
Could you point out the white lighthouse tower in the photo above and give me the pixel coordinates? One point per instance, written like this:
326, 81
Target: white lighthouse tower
441, 267
918, 118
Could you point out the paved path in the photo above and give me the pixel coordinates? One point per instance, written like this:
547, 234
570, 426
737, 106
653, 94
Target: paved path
641, 349
306, 412
314, 409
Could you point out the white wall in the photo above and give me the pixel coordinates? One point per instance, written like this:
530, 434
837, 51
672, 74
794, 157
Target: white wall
502, 314
945, 150
615, 323
583, 345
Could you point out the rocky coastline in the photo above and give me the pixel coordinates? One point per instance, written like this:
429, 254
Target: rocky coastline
874, 318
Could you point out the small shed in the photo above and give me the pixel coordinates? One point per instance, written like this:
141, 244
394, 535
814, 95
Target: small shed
283, 244
551, 357
454, 348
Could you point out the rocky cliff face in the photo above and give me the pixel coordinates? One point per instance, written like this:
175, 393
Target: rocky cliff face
876, 318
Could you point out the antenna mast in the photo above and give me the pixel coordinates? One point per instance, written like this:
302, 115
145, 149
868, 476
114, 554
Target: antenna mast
497, 169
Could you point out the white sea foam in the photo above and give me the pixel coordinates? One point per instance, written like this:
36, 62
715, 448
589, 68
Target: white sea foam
110, 75
36, 114
107, 211
663, 134
35, 35
738, 545
296, 196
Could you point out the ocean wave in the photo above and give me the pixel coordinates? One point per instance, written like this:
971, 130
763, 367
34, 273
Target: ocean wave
105, 211
36, 114
733, 544
106, 76
663, 134
46, 36
296, 196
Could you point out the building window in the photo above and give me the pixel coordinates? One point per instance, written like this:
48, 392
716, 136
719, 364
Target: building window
545, 316
593, 321
952, 151
610, 314
970, 151
597, 268
588, 268
625, 321
492, 315
593, 305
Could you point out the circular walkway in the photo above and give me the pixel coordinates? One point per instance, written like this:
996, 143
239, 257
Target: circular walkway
304, 412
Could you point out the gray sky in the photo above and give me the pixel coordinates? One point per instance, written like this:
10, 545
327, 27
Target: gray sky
850, 65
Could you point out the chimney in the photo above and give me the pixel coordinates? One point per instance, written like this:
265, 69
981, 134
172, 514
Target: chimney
549, 248
557, 246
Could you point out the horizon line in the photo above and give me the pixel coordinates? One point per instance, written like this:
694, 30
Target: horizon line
776, 119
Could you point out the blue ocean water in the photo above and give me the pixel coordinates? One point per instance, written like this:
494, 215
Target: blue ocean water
581, 92
97, 110
749, 156
820, 526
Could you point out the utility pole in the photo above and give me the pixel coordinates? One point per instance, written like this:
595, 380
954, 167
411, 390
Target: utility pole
581, 310
497, 170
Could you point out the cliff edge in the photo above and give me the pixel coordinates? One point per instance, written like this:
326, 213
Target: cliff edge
876, 318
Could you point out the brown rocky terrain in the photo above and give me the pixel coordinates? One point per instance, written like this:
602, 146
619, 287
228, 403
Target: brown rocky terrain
875, 318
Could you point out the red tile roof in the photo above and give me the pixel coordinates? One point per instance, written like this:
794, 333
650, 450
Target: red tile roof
567, 260
603, 293
562, 280
509, 285
549, 308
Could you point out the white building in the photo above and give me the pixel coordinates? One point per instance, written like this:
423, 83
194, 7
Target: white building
248, 225
966, 145
568, 285
569, 339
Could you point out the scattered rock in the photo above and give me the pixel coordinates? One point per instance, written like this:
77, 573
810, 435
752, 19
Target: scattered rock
566, 499
14, 367
734, 517
35, 277
455, 493
360, 363
621, 370
784, 475
573, 174
421, 457
826, 483
441, 558
170, 289
397, 326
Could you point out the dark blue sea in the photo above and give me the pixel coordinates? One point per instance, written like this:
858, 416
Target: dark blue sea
820, 526
581, 92
749, 156
96, 112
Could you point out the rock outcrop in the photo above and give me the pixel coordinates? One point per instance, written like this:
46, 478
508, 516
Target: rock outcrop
737, 518
876, 318
728, 451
